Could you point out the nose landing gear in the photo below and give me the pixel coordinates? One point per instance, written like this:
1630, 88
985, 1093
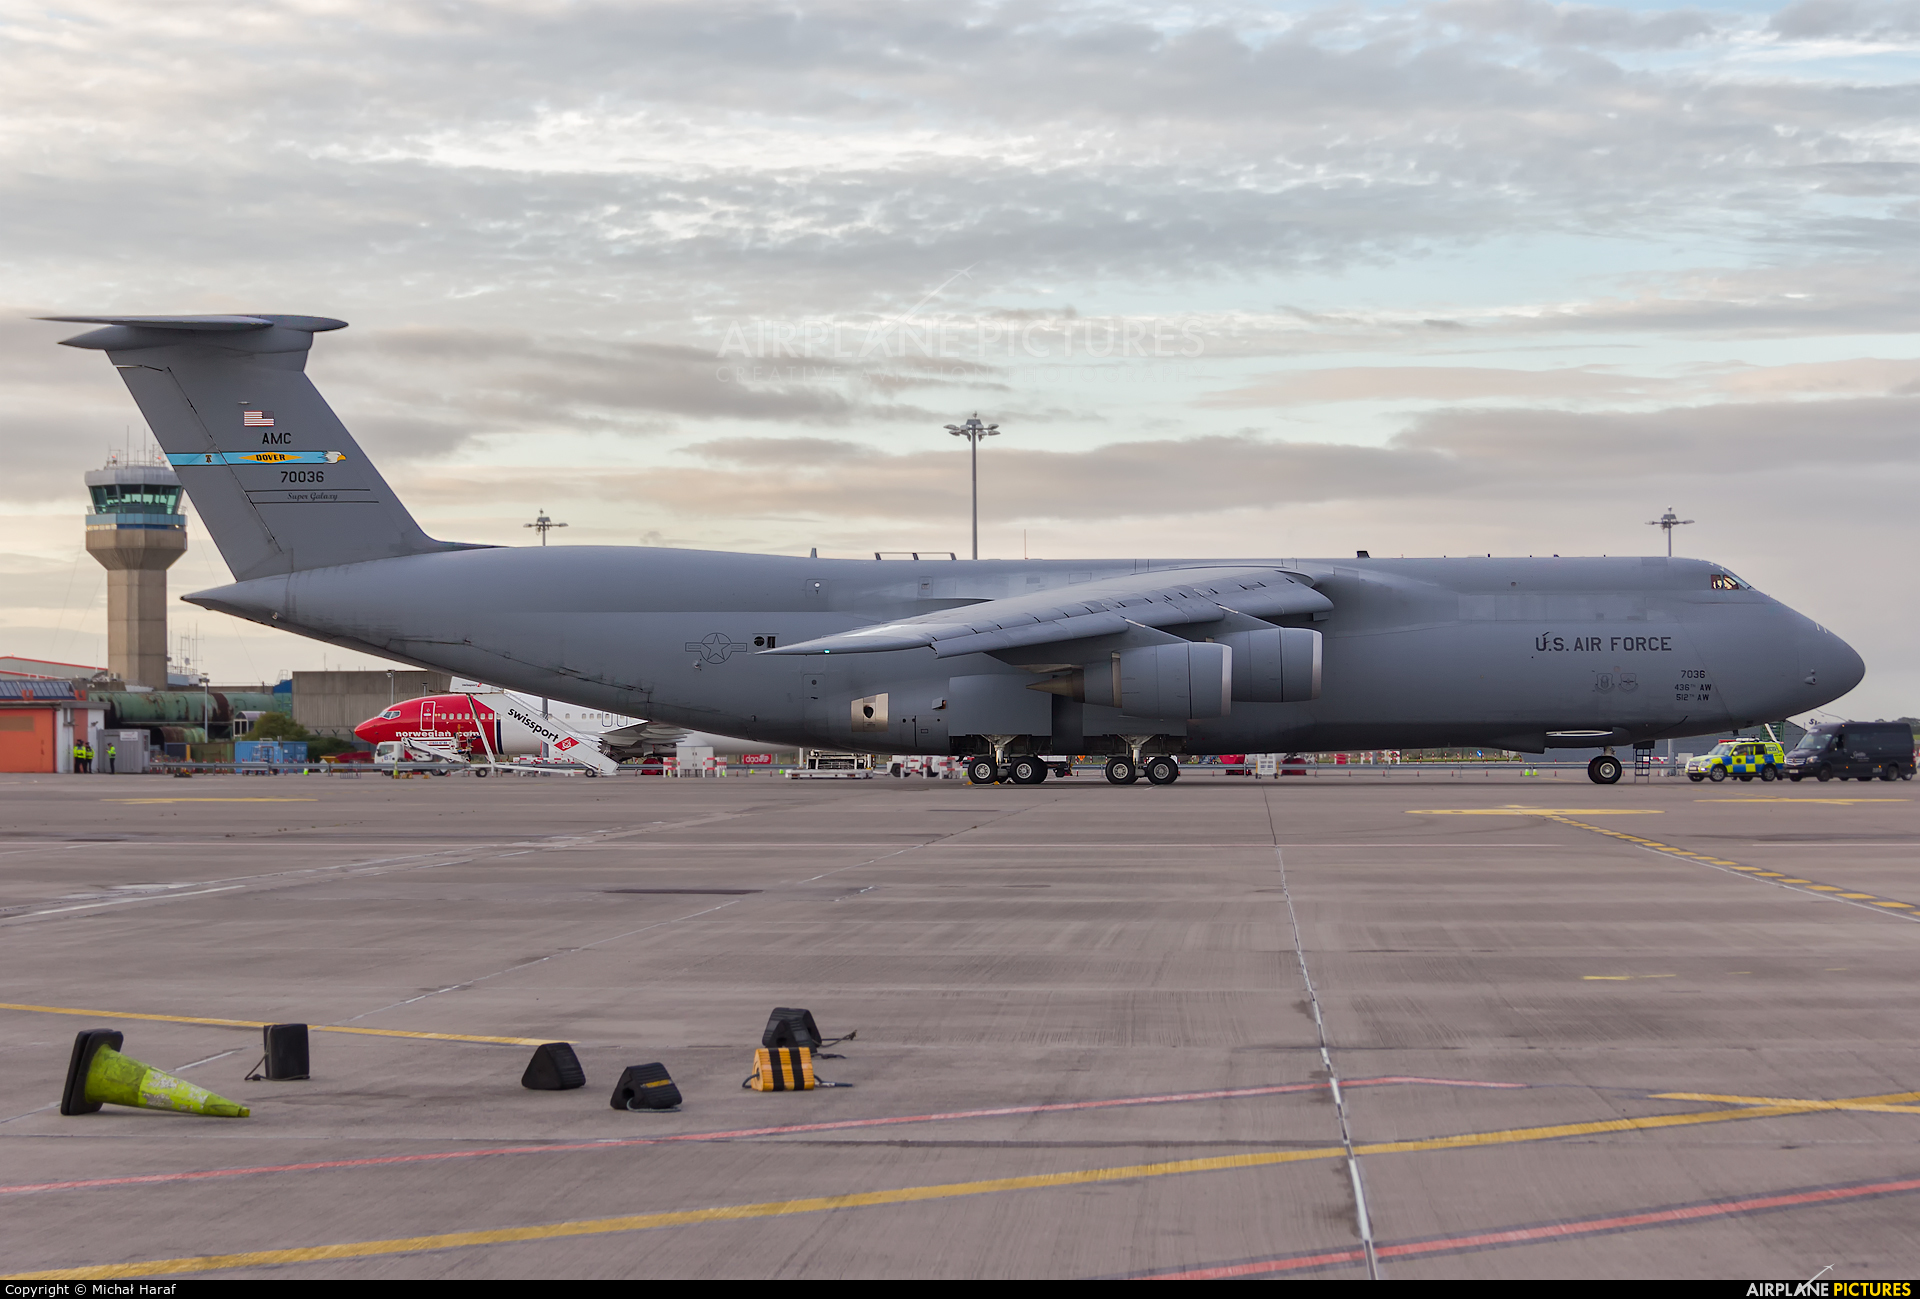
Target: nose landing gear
1604, 770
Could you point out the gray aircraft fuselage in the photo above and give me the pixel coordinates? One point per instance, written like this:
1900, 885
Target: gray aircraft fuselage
1418, 652
1097, 655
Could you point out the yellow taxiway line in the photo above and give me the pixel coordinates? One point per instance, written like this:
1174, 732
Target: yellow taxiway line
915, 1194
1793, 882
1517, 810
1565, 815
209, 800
1864, 1104
261, 1023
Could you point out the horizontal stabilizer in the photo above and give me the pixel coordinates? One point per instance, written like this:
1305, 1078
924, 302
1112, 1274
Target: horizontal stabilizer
1167, 598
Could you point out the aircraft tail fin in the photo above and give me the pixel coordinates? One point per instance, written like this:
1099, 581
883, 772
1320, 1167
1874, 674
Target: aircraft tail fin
279, 482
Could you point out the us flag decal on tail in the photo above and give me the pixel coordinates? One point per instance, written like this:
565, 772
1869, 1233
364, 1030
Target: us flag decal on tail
256, 419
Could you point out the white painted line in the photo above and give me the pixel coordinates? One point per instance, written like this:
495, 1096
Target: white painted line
142, 897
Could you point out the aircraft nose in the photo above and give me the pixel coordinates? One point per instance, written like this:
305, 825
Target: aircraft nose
368, 730
1831, 666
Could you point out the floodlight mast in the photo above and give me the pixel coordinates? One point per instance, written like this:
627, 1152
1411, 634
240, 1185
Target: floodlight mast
973, 430
544, 524
1667, 523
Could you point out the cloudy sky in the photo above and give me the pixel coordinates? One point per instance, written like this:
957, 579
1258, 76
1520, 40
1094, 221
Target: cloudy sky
1293, 279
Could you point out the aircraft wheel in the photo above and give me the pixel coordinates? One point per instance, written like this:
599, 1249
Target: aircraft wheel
1717, 775
1162, 771
1121, 771
1824, 774
1028, 771
1695, 777
1604, 770
981, 771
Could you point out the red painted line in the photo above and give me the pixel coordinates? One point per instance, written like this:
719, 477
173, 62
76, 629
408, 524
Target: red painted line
1227, 1272
1550, 1231
374, 1161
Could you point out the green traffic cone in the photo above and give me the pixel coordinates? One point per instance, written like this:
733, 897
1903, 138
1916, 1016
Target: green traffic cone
99, 1075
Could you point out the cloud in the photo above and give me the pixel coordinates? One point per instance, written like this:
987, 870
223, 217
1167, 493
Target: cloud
1427, 383
1583, 25
1583, 385
1486, 458
1847, 19
754, 157
431, 389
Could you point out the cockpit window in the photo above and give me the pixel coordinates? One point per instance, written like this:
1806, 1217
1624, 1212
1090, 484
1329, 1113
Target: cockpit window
391, 713
1728, 582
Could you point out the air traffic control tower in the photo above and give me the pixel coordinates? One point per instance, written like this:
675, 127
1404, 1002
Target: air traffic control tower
136, 532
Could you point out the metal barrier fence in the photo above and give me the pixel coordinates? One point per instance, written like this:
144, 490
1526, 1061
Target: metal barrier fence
1309, 771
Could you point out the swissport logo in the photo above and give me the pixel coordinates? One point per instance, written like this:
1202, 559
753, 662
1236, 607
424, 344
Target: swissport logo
540, 729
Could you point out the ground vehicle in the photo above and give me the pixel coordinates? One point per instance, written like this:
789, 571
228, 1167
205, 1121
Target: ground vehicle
389, 754
1853, 751
830, 764
1743, 758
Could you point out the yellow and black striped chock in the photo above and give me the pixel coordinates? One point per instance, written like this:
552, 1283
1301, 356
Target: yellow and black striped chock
782, 1069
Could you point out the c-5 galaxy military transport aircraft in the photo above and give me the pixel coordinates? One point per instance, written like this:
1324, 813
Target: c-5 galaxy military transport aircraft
1137, 659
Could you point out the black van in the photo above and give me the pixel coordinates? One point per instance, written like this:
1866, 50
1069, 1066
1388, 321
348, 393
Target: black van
1853, 751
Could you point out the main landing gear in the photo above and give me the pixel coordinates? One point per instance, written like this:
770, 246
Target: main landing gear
1604, 770
1160, 770
1030, 769
1027, 771
1024, 770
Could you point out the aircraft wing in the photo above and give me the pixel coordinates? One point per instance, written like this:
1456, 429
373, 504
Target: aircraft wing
1165, 598
625, 737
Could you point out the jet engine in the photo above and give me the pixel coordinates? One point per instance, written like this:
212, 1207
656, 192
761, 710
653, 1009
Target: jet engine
1275, 665
1186, 680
